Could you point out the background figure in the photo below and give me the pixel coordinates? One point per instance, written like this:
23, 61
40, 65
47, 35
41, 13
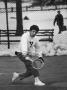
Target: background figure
59, 20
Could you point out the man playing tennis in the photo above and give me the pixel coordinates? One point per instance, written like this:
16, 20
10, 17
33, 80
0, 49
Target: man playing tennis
29, 46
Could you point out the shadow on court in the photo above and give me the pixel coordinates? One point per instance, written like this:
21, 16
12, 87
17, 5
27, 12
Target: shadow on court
54, 74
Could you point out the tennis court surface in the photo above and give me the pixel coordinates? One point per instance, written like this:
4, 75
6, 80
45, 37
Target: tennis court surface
54, 74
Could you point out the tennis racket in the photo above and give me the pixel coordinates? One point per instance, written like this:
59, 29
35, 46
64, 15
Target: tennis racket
37, 62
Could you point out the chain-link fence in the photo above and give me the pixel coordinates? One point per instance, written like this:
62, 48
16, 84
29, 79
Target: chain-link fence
19, 15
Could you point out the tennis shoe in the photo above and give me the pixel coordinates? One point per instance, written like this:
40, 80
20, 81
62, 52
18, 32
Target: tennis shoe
15, 76
39, 83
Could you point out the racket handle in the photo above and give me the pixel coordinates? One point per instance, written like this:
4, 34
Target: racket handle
41, 59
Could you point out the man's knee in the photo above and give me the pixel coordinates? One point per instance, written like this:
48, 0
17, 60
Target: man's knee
19, 55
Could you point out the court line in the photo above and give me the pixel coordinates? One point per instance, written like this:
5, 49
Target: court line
2, 73
5, 73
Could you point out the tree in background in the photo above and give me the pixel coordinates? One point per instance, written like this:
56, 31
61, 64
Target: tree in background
48, 2
19, 28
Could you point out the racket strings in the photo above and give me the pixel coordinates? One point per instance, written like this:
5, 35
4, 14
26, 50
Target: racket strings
38, 64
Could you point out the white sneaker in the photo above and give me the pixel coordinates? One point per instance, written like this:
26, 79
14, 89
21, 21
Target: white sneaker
39, 83
15, 76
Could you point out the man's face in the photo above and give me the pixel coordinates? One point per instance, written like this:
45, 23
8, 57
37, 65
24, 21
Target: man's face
58, 12
33, 33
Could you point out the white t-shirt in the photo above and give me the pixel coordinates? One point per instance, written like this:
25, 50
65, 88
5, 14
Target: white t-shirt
29, 44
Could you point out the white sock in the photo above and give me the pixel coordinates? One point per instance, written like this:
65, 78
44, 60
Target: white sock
37, 79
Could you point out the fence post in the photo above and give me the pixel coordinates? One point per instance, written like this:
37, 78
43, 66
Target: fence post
0, 36
26, 8
41, 8
7, 24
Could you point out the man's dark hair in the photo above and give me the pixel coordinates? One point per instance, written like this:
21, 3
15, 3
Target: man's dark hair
58, 11
34, 27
